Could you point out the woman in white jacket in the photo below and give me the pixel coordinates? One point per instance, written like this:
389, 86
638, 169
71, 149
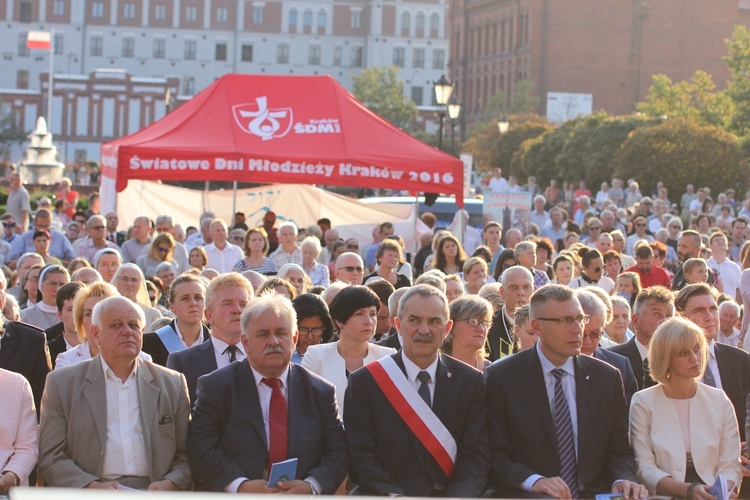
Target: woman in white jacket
684, 433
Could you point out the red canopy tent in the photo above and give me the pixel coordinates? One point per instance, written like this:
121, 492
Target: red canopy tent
278, 129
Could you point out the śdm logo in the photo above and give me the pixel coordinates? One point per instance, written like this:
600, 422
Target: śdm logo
257, 119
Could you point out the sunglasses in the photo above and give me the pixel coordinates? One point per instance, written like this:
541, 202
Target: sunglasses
9, 224
352, 246
352, 269
162, 250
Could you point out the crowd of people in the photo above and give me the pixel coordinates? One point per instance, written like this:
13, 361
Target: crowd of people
602, 349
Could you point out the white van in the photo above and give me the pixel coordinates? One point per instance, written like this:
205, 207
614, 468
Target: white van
444, 208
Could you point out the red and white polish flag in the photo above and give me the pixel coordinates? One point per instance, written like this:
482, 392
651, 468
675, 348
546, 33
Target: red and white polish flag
39, 40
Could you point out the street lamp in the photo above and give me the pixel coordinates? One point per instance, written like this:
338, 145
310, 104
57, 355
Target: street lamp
503, 125
454, 109
443, 91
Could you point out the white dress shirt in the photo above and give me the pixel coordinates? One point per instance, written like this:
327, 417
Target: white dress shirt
413, 370
125, 451
569, 388
82, 352
642, 349
223, 260
221, 353
182, 339
732, 339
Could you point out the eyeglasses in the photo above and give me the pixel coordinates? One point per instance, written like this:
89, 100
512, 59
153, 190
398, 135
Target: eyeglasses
97, 228
238, 238
569, 320
640, 224
595, 228
352, 269
595, 336
163, 250
9, 224
353, 247
315, 332
474, 322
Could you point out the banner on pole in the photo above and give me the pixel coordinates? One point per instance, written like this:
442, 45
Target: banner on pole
39, 40
511, 210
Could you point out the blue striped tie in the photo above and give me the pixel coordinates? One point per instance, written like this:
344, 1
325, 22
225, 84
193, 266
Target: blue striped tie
564, 431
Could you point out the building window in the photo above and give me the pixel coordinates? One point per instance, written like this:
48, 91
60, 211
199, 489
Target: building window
221, 51
357, 58
293, 18
314, 57
417, 95
97, 45
438, 59
257, 14
22, 79
307, 18
97, 9
23, 50
322, 19
282, 53
191, 13
128, 10
24, 14
247, 52
418, 58
160, 12
337, 56
356, 20
160, 48
188, 85
58, 7
405, 23
128, 47
59, 43
191, 48
399, 55
434, 24
222, 15
419, 23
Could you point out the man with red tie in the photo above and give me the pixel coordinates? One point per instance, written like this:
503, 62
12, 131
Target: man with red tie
265, 410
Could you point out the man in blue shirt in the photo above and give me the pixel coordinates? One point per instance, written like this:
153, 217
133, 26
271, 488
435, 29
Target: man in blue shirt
59, 245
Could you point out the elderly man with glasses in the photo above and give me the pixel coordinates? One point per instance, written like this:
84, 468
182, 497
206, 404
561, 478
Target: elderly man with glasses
350, 268
97, 238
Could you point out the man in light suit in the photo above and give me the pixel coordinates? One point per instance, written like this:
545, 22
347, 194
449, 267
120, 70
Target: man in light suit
557, 421
729, 366
264, 410
388, 455
115, 419
226, 297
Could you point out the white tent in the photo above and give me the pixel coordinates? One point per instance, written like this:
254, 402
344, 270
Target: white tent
302, 204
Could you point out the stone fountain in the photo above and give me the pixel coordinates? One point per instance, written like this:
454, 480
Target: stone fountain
40, 165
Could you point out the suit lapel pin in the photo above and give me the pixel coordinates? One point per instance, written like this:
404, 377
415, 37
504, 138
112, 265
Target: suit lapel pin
587, 377
449, 374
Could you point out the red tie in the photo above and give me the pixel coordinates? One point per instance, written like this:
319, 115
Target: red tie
277, 423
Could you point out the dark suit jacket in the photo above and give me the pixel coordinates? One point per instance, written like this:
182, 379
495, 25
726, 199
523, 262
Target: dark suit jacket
227, 438
630, 351
153, 345
623, 366
386, 457
23, 349
498, 332
522, 431
391, 341
56, 341
734, 369
193, 362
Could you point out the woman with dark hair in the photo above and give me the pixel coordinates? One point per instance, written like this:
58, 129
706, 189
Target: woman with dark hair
544, 253
44, 314
388, 256
314, 324
29, 287
506, 259
198, 258
354, 311
449, 256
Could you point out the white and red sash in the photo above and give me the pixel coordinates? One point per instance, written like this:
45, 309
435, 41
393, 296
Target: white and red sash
415, 413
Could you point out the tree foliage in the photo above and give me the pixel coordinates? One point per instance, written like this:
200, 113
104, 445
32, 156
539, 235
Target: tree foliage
679, 152
490, 149
694, 99
738, 88
590, 151
10, 132
381, 91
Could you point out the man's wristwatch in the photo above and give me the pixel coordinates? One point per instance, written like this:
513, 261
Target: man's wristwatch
313, 491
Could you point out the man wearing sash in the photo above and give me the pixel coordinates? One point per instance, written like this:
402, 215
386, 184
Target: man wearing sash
557, 421
415, 420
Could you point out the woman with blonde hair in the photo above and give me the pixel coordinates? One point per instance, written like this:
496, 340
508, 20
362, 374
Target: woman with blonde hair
277, 285
475, 274
83, 306
160, 250
131, 283
472, 318
454, 287
683, 432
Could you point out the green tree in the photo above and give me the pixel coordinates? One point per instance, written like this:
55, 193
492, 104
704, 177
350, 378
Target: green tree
490, 149
590, 151
10, 132
738, 88
680, 152
381, 91
694, 99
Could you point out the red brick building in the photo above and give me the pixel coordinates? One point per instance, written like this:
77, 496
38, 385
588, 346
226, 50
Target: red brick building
607, 48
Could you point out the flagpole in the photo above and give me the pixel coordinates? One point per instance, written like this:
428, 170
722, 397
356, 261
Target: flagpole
51, 80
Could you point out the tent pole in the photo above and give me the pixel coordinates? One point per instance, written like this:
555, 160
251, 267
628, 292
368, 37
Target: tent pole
416, 218
234, 200
205, 197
